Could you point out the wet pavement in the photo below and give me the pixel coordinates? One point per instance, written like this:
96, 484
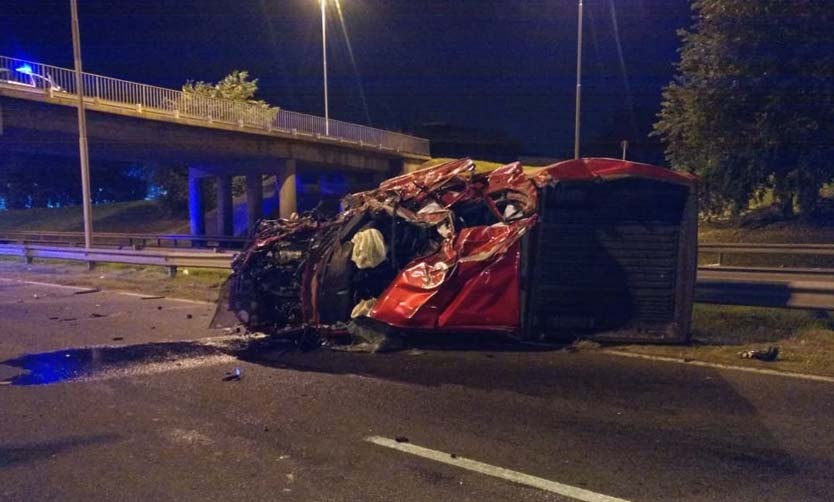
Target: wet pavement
160, 414
107, 362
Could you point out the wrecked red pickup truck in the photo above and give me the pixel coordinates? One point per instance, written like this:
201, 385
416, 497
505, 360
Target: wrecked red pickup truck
598, 248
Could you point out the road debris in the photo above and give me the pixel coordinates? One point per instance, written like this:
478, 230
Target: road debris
769, 354
401, 439
86, 291
236, 374
583, 344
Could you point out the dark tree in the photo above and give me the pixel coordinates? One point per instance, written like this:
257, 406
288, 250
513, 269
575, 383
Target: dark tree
752, 105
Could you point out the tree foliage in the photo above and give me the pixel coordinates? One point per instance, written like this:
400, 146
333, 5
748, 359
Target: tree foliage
236, 86
752, 104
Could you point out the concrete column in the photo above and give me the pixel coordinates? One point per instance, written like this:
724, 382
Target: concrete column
225, 205
285, 186
254, 199
195, 203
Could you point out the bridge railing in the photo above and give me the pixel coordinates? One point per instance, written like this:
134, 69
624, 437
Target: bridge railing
100, 89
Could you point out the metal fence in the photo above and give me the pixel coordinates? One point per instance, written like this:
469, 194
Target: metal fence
171, 260
55, 80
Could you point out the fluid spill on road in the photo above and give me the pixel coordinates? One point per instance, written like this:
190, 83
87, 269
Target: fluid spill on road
103, 362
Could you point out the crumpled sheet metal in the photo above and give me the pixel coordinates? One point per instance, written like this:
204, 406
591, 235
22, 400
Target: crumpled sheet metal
469, 277
588, 169
473, 269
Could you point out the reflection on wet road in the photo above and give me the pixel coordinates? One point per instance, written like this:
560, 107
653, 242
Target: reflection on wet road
102, 362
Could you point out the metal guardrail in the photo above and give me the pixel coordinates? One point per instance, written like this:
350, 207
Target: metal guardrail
55, 80
766, 287
135, 240
722, 249
171, 260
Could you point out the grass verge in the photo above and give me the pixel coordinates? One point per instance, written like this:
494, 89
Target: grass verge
133, 216
720, 332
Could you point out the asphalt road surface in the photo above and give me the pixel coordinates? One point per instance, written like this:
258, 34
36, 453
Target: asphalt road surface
108, 396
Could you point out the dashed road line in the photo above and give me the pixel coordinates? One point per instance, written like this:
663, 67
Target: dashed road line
494, 471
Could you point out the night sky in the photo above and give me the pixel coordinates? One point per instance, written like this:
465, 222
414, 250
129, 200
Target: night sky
497, 65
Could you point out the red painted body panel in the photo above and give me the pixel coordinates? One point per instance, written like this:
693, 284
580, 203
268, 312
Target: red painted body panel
587, 169
489, 298
472, 281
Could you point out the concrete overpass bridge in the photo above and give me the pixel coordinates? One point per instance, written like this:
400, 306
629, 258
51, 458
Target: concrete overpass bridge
129, 121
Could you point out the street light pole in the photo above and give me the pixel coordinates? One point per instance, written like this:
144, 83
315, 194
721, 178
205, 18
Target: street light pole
577, 119
324, 64
82, 130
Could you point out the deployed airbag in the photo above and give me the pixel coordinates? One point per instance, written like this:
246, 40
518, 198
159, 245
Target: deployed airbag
368, 248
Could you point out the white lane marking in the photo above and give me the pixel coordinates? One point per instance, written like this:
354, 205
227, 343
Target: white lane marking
125, 293
149, 297
494, 471
140, 295
760, 371
47, 284
147, 369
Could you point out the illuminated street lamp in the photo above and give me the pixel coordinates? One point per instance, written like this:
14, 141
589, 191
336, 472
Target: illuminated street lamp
324, 64
577, 119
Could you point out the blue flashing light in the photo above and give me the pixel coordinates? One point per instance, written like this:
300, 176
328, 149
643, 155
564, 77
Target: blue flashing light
24, 69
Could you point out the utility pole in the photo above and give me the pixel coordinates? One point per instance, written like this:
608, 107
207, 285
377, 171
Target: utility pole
324, 64
577, 120
624, 146
82, 129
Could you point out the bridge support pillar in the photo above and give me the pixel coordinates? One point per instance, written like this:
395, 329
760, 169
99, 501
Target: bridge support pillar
285, 181
195, 203
225, 205
254, 199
